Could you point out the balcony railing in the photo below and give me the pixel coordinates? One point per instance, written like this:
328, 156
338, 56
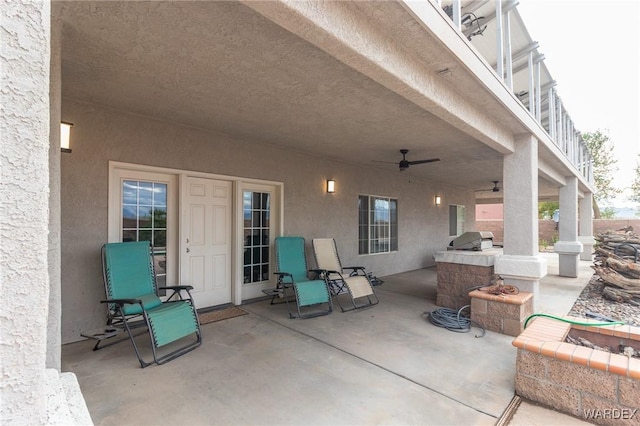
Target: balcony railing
498, 33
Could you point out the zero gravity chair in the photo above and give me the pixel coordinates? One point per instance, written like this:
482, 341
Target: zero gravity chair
311, 295
132, 300
357, 283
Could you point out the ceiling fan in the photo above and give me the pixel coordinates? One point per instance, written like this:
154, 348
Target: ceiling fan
404, 163
494, 189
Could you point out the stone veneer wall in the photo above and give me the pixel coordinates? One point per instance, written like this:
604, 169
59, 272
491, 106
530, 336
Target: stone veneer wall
591, 384
455, 280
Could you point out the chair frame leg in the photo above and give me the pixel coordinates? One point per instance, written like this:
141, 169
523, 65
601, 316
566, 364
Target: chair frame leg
353, 300
156, 360
367, 305
116, 322
315, 314
282, 288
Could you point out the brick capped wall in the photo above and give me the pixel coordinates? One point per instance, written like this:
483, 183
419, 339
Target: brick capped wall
592, 384
547, 228
602, 225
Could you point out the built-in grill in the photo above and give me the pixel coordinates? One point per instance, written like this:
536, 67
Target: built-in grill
475, 240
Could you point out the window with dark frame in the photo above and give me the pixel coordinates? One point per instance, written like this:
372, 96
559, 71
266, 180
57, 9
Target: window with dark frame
144, 218
256, 213
377, 224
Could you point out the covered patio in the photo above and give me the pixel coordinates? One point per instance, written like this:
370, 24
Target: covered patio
235, 101
383, 365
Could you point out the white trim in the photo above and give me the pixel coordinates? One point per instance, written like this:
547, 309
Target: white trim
238, 185
277, 226
114, 213
156, 169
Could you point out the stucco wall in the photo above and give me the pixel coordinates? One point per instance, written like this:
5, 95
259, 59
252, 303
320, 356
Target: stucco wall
101, 134
24, 206
53, 323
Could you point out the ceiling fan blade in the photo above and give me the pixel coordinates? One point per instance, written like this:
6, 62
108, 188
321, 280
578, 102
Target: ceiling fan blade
431, 160
495, 188
388, 162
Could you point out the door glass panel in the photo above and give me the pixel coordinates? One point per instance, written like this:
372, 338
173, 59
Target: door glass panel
144, 218
256, 212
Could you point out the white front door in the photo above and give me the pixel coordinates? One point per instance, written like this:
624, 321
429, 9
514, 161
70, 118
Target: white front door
205, 242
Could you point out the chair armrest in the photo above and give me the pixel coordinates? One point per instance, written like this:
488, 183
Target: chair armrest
176, 287
282, 274
122, 302
355, 270
177, 290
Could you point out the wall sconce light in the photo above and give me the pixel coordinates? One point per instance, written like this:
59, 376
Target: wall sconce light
65, 133
438, 200
331, 186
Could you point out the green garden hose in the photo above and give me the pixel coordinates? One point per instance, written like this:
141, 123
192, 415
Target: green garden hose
586, 324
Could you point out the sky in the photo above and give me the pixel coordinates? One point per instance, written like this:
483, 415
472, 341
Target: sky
592, 50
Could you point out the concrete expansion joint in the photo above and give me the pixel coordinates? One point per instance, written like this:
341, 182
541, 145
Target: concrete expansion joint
358, 357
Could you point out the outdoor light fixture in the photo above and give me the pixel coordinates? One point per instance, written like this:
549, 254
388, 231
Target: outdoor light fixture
331, 186
65, 133
438, 200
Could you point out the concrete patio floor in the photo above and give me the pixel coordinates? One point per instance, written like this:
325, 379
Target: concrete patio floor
382, 365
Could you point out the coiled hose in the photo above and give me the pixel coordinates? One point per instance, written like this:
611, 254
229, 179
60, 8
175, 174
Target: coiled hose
453, 320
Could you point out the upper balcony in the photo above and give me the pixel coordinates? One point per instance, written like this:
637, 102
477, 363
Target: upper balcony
506, 45
350, 82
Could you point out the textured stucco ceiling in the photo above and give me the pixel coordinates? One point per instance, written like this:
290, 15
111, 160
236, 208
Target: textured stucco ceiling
222, 66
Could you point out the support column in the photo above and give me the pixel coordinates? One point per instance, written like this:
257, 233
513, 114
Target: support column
54, 333
585, 226
24, 206
568, 247
31, 393
520, 265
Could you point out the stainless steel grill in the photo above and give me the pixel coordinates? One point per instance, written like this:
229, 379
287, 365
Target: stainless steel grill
476, 240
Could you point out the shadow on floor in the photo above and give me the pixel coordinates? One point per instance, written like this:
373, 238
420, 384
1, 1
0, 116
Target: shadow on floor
381, 365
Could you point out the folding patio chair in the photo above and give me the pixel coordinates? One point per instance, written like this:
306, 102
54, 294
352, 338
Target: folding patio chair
132, 299
311, 295
357, 283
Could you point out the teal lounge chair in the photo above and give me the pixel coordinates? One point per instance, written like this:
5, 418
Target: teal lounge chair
132, 296
311, 295
355, 282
